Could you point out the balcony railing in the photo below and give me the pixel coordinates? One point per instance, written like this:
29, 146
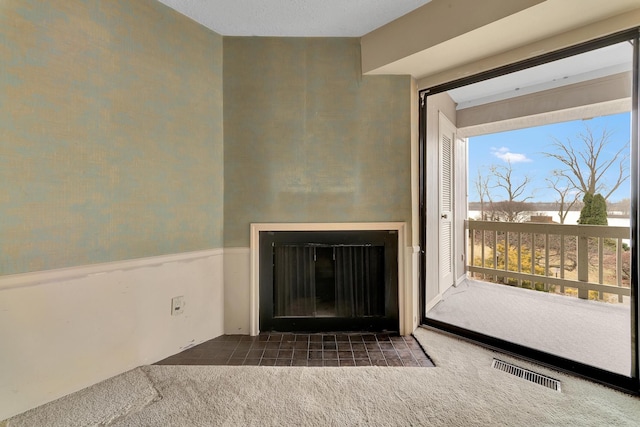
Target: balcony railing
591, 261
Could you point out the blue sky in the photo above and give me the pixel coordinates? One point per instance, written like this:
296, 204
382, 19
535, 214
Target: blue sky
524, 148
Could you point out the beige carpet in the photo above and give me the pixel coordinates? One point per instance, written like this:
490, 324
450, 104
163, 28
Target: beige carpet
463, 390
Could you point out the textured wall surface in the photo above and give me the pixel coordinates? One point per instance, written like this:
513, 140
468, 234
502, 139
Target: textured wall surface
111, 140
309, 139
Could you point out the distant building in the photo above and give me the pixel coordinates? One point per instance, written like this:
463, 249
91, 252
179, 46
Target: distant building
542, 218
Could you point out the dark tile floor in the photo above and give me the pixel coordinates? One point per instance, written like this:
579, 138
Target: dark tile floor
276, 349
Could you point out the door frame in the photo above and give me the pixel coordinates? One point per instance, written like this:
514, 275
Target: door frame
627, 384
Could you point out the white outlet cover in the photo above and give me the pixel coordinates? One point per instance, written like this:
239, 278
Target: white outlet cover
177, 305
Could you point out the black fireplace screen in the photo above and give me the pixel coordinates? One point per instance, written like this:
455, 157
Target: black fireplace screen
294, 287
318, 280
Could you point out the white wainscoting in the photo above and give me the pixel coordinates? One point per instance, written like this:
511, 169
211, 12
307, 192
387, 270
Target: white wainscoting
63, 330
407, 280
237, 269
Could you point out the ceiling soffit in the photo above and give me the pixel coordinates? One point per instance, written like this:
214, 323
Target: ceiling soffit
536, 23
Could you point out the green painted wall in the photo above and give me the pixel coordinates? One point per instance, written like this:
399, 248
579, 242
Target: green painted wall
111, 136
309, 139
112, 145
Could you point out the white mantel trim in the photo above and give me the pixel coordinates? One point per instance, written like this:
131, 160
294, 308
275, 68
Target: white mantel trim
405, 291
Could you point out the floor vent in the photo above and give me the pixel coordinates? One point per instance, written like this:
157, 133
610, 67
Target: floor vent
526, 374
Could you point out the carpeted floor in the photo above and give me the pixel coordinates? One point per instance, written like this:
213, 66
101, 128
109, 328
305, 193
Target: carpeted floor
462, 390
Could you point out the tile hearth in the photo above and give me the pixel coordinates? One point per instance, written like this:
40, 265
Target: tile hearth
288, 349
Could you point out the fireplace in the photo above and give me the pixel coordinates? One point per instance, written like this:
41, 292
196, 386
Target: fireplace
332, 280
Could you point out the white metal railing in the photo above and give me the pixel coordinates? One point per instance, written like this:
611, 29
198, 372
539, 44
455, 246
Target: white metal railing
551, 257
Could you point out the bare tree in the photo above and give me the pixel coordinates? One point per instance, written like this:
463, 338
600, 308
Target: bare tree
482, 187
587, 161
514, 206
567, 194
511, 210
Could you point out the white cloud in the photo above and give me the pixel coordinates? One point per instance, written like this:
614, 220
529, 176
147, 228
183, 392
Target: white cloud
503, 153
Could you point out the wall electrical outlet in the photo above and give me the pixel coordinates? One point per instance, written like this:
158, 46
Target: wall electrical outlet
177, 305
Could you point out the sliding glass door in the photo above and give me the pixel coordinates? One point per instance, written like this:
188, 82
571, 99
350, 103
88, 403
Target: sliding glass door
545, 208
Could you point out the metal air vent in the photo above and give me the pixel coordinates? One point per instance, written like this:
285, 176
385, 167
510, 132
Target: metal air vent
527, 374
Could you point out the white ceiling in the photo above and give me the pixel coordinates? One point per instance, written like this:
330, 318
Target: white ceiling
294, 18
355, 18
